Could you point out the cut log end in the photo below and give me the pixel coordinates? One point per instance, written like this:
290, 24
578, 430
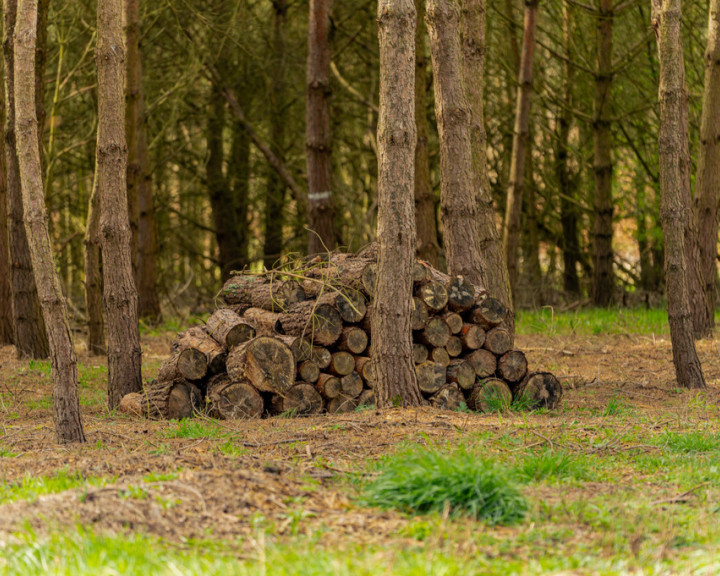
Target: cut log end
436, 333
431, 377
540, 390
491, 395
483, 362
233, 400
449, 397
329, 386
472, 336
301, 399
512, 366
461, 373
265, 362
342, 363
498, 341
489, 313
461, 294
434, 295
342, 405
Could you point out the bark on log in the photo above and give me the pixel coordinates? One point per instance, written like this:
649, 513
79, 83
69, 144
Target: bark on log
449, 397
512, 366
228, 328
309, 371
301, 399
230, 400
483, 362
419, 314
245, 291
319, 323
454, 321
431, 377
436, 333
353, 340
342, 405
454, 347
440, 356
498, 341
265, 322
329, 386
267, 363
364, 367
433, 294
488, 313
420, 353
462, 373
171, 400
540, 390
131, 404
490, 395
472, 336
354, 273
352, 385
194, 354
461, 294
342, 364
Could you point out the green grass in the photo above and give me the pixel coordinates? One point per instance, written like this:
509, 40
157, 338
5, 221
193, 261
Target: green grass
30, 488
422, 480
193, 428
593, 321
689, 442
554, 464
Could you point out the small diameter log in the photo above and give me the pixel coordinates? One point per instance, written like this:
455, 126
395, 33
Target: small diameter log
512, 366
454, 347
353, 340
194, 354
265, 322
352, 385
462, 373
419, 273
433, 294
171, 400
431, 377
265, 362
491, 395
308, 371
540, 390
418, 315
301, 400
367, 398
454, 321
341, 405
329, 386
498, 341
363, 366
300, 347
131, 404
351, 305
420, 353
353, 272
322, 357
233, 400
436, 333
488, 313
319, 323
228, 328
483, 362
461, 294
369, 278
449, 397
245, 291
342, 363
472, 336
440, 356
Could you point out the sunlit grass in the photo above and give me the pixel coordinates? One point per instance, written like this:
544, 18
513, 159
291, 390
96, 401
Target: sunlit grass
593, 321
30, 488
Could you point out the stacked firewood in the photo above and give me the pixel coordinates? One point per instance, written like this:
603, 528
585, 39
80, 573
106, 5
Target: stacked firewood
297, 342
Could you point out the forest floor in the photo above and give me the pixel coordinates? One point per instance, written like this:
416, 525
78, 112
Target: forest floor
624, 478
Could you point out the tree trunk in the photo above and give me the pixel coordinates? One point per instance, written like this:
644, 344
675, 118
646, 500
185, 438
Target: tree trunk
425, 213
318, 138
521, 137
391, 340
119, 293
6, 317
30, 336
674, 157
66, 405
493, 268
93, 278
707, 183
603, 276
140, 193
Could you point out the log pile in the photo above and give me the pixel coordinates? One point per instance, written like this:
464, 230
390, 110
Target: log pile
297, 342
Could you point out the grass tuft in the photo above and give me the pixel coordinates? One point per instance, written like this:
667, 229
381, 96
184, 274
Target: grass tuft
30, 488
554, 464
689, 442
193, 429
423, 480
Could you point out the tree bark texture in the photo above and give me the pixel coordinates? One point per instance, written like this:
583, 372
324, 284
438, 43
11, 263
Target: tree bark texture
521, 141
707, 182
391, 341
139, 180
674, 155
6, 317
603, 275
66, 405
30, 337
93, 278
318, 137
119, 292
425, 212
492, 264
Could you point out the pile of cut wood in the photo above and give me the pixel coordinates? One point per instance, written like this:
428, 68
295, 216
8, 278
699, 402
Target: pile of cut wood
297, 341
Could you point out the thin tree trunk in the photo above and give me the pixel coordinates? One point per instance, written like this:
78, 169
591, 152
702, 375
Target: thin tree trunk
239, 182
425, 213
521, 137
6, 319
66, 404
674, 156
318, 136
30, 337
119, 293
493, 268
140, 193
391, 346
707, 183
93, 278
603, 276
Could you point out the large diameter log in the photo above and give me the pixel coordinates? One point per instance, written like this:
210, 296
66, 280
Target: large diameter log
364, 367
131, 404
352, 385
246, 291
430, 376
342, 364
418, 314
454, 321
436, 333
433, 294
512, 366
319, 323
449, 397
462, 373
171, 399
488, 313
490, 395
233, 400
483, 362
540, 390
301, 400
367, 398
461, 294
309, 371
265, 362
472, 336
454, 347
440, 356
353, 340
193, 355
329, 386
498, 341
420, 353
341, 405
227, 328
